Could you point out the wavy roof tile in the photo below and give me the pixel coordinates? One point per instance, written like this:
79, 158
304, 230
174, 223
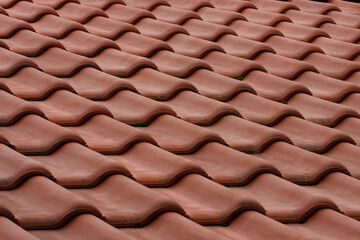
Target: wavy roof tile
179, 119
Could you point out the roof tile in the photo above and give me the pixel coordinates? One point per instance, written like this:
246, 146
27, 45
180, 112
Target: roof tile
342, 33
127, 14
11, 62
29, 11
219, 16
308, 19
264, 17
79, 13
173, 15
300, 32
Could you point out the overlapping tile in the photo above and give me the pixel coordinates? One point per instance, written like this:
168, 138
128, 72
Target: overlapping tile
242, 112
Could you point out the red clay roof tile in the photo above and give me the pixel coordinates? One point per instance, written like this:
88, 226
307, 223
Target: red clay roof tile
11, 231
102, 4
11, 62
342, 33
274, 6
254, 31
300, 32
264, 17
173, 15
307, 19
127, 14
79, 13
232, 5
29, 11
219, 16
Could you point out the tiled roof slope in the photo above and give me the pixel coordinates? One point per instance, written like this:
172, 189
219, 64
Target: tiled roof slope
179, 119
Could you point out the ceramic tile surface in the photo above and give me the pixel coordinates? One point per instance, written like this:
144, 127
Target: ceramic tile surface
179, 119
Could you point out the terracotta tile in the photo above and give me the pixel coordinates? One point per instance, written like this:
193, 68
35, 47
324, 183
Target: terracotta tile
242, 47
79, 13
13, 108
273, 87
54, 3
274, 64
231, 66
141, 45
74, 111
332, 66
124, 202
352, 101
61, 63
35, 135
326, 88
337, 48
153, 166
219, 87
254, 225
346, 154
35, 204
173, 15
108, 28
264, 17
321, 111
87, 84
228, 166
102, 4
311, 136
84, 226
292, 48
11, 231
32, 84
131, 108
177, 65
301, 32
16, 168
205, 30
154, 84
157, 29
178, 136
197, 109
2, 11
149, 5
315, 7
354, 78
346, 6
284, 201
190, 4
342, 33
219, 16
261, 110
172, 226
11, 62
75, 166
329, 224
11, 25
121, 64
127, 14
31, 44
86, 44
191, 46
304, 167
253, 31
8, 3
3, 44
350, 126
193, 192
274, 6
246, 136
345, 19
344, 190
232, 5
116, 137
308, 19
28, 11
56, 27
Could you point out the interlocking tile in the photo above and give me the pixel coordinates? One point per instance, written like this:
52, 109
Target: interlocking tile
246, 136
74, 165
193, 193
153, 166
41, 203
168, 119
31, 44
185, 137
228, 166
132, 108
13, 108
86, 83
16, 168
99, 134
85, 44
56, 27
137, 207
213, 85
84, 226
28, 11
34, 135
284, 201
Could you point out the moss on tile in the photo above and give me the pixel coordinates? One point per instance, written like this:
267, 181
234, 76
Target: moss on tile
241, 77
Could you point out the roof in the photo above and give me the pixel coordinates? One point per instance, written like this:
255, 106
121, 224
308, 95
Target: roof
168, 119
